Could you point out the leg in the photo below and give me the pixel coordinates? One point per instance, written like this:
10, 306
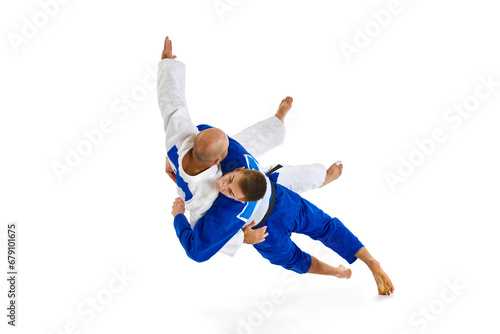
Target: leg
321, 268
280, 250
265, 135
330, 231
300, 178
303, 178
333, 234
384, 284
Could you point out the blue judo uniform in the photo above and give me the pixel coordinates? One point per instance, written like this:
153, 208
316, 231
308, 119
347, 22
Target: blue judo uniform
291, 214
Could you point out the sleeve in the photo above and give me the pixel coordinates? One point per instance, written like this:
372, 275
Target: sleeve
172, 101
263, 136
211, 232
231, 247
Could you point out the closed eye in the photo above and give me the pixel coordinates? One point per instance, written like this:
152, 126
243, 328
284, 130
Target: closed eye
231, 181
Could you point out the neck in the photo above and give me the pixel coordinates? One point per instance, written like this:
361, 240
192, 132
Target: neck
192, 166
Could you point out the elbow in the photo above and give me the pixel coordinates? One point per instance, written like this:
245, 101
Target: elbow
197, 257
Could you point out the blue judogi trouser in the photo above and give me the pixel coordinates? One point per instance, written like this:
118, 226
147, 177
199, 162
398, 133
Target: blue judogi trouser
292, 213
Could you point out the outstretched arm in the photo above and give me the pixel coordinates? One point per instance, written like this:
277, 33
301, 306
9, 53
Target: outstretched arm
171, 98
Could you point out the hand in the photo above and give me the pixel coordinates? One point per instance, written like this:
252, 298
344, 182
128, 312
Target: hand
167, 50
178, 207
253, 237
170, 172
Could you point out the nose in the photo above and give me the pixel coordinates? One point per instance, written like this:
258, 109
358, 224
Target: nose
223, 185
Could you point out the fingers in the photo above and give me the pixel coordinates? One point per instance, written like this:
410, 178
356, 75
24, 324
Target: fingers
249, 226
254, 236
178, 207
167, 49
178, 201
262, 238
264, 233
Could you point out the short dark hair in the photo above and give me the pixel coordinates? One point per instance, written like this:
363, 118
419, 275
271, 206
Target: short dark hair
253, 185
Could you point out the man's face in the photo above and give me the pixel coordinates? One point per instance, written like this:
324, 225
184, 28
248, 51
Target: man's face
229, 185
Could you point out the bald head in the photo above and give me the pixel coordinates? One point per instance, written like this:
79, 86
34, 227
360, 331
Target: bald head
210, 145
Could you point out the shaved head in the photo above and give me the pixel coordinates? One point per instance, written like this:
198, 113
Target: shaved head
210, 145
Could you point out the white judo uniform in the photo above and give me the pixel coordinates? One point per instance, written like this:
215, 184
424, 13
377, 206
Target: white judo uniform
198, 192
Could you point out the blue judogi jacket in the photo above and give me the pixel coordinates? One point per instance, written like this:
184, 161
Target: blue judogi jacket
226, 216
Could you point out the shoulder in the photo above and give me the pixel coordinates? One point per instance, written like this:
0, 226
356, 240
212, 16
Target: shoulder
238, 156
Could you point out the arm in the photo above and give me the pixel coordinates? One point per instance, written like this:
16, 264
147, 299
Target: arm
211, 232
171, 97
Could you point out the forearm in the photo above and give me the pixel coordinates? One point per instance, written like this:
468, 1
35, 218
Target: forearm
186, 238
207, 237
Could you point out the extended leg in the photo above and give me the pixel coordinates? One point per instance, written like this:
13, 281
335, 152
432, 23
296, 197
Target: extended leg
302, 178
280, 250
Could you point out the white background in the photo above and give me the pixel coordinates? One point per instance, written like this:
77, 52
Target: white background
112, 211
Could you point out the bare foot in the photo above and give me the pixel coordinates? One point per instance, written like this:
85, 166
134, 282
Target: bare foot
384, 284
333, 173
284, 108
343, 272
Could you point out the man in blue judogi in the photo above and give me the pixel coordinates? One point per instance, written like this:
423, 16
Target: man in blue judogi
246, 194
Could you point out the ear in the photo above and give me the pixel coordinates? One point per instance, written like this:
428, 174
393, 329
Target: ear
217, 161
239, 168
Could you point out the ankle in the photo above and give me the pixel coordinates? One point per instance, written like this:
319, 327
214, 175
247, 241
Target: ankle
280, 116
